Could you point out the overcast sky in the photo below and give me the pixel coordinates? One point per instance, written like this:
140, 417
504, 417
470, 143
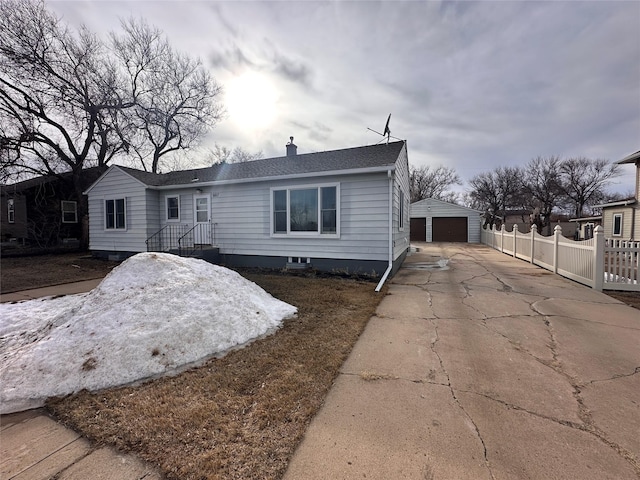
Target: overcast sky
470, 85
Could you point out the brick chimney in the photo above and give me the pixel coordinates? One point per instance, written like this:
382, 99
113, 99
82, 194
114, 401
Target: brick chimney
292, 149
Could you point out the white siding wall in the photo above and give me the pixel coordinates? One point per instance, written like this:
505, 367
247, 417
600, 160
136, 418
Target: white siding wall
429, 208
628, 221
117, 184
242, 218
401, 183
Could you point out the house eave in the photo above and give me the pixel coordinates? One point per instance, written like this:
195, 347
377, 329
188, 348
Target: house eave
86, 192
623, 203
213, 183
633, 158
586, 219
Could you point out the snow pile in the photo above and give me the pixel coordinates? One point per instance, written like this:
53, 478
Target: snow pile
152, 314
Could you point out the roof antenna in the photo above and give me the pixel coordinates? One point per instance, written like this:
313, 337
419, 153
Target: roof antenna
387, 131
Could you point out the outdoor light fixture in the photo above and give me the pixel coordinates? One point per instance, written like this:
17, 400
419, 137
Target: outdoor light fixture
198, 190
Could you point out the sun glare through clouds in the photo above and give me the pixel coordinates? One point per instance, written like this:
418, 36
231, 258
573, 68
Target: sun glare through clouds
251, 101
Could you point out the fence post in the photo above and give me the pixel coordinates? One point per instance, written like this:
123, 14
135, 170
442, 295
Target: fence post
598, 258
534, 228
502, 238
515, 239
557, 232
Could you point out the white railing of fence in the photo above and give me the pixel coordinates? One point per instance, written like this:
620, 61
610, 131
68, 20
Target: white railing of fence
599, 263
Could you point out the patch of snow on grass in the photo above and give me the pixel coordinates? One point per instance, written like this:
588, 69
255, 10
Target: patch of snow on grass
152, 314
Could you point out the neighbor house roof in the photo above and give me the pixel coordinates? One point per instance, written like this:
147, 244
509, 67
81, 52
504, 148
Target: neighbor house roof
89, 176
367, 157
633, 158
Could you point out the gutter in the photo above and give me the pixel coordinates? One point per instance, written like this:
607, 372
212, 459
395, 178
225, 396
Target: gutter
293, 176
390, 267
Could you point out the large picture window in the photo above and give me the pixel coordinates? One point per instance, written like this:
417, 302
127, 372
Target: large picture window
69, 211
115, 216
617, 224
305, 211
173, 208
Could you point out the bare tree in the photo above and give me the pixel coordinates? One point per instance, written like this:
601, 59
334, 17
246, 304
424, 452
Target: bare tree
174, 98
496, 191
584, 181
541, 185
55, 88
222, 154
67, 102
425, 182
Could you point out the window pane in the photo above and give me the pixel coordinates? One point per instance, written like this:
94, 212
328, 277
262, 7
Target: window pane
280, 222
11, 211
109, 214
303, 205
329, 198
279, 200
328, 221
202, 210
617, 224
279, 211
329, 204
172, 208
120, 213
69, 212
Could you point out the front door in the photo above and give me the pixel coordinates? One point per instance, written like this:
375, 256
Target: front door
202, 216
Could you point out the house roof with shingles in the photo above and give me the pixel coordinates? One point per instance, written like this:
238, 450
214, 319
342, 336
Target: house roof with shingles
89, 176
367, 157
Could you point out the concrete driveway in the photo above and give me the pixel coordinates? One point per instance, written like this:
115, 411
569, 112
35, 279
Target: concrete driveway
480, 366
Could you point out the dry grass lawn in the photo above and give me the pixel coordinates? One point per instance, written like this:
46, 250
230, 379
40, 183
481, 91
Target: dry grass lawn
243, 415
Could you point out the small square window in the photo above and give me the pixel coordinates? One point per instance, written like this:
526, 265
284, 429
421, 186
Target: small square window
69, 212
173, 208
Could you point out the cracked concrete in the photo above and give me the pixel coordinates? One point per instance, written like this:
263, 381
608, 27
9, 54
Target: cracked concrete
488, 368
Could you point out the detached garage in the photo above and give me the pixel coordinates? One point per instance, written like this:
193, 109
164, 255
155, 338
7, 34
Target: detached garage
437, 221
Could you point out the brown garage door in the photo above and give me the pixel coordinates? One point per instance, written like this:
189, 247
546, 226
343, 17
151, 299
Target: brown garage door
418, 230
450, 229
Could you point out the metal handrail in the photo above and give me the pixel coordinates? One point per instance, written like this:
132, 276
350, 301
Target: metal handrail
186, 250
166, 238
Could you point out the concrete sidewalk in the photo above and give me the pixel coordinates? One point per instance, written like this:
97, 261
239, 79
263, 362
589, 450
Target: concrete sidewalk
33, 446
51, 291
475, 366
481, 366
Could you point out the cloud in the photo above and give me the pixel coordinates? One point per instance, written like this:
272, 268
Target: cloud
292, 70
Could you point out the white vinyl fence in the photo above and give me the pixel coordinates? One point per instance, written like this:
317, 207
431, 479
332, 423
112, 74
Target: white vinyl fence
603, 264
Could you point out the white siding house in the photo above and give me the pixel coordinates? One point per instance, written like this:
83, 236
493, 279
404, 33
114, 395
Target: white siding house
341, 210
621, 220
437, 221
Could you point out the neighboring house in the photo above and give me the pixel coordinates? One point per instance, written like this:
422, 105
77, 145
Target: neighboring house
341, 210
437, 221
585, 226
42, 211
520, 217
621, 219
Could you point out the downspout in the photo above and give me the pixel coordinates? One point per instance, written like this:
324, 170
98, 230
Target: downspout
390, 267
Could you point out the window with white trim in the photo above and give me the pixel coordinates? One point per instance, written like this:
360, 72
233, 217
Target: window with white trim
617, 224
173, 208
69, 211
401, 210
11, 211
306, 210
115, 214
